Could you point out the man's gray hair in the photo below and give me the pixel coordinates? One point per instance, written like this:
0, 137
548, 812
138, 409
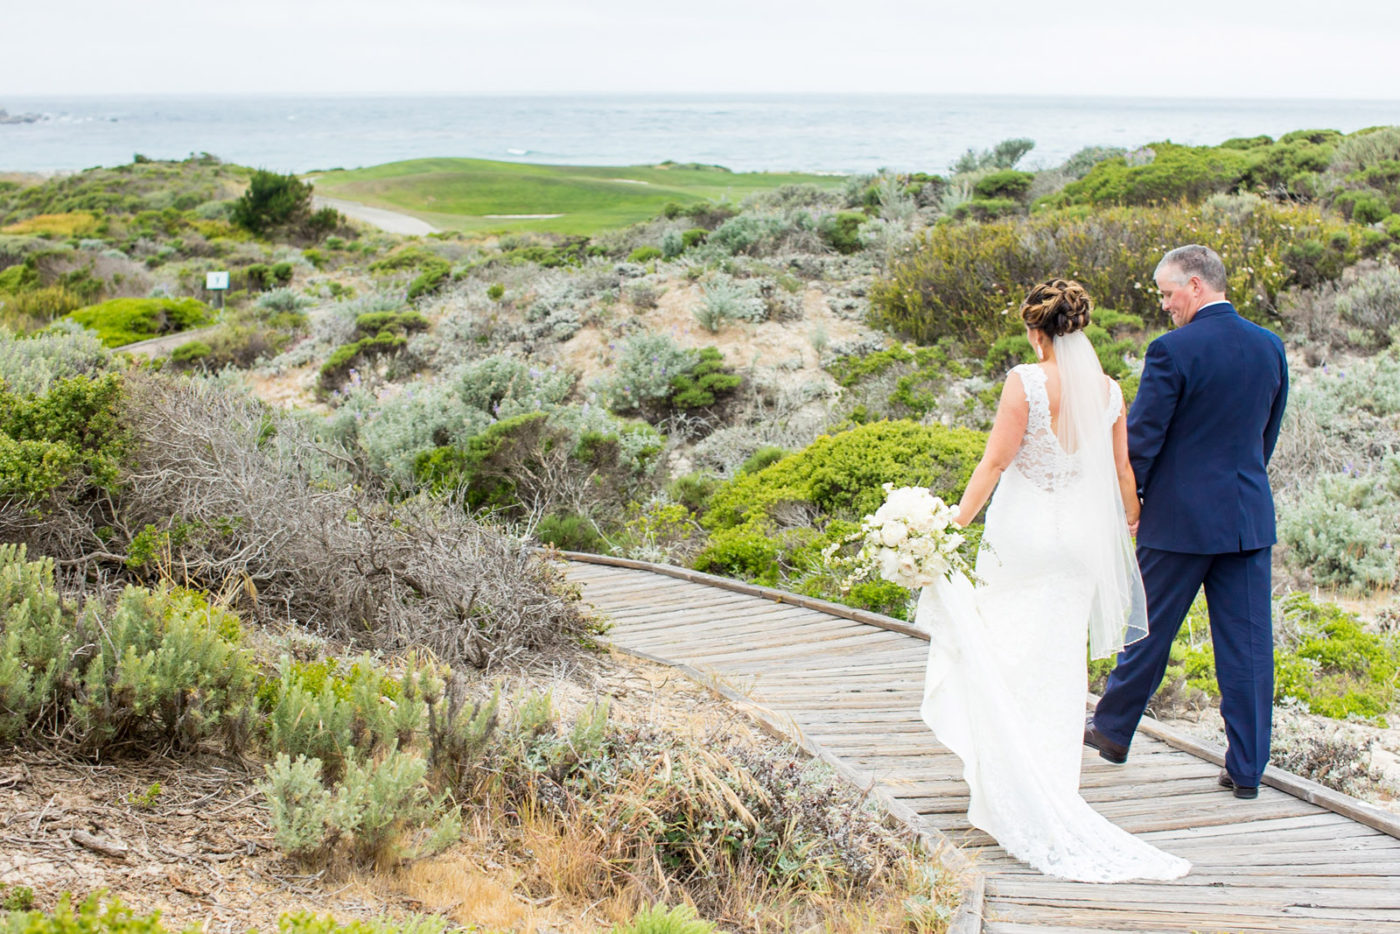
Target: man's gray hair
1195, 260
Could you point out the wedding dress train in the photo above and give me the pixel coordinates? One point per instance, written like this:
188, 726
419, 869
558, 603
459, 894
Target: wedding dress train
1007, 678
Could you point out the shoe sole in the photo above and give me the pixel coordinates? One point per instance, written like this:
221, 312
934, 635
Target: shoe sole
1245, 793
1110, 757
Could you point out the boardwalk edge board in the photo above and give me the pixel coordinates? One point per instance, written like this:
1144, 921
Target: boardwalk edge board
1295, 785
971, 882
756, 590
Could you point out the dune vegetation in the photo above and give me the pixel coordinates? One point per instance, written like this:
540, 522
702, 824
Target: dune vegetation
326, 510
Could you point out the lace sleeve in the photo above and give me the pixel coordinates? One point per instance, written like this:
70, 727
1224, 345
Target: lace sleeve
1037, 401
1115, 402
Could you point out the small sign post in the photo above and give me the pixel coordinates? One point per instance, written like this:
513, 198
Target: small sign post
217, 282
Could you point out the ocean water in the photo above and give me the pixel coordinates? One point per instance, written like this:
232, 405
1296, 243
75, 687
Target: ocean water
816, 133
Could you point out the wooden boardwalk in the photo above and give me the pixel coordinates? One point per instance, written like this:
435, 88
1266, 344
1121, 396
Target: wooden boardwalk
849, 684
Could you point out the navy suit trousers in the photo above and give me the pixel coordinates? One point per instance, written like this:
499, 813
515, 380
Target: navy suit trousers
1241, 626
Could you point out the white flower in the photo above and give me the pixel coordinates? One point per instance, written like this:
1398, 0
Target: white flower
894, 533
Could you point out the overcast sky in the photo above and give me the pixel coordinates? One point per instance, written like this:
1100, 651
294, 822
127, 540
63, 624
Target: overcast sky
1228, 48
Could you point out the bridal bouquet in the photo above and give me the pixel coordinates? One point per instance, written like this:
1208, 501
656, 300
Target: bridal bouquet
909, 541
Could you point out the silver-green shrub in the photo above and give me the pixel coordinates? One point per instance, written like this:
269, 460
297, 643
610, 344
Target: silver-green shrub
300, 805
160, 668
327, 709
167, 665
644, 371
1343, 531
504, 386
1371, 304
393, 431
725, 298
65, 349
379, 812
283, 300
36, 643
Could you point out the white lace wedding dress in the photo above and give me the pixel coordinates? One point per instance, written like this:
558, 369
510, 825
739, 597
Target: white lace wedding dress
1007, 675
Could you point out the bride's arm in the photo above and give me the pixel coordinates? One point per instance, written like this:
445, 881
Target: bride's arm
1127, 483
1002, 445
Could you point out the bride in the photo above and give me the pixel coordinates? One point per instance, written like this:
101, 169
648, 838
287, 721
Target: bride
1007, 677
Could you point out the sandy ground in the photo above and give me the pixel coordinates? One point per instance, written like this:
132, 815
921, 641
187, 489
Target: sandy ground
392, 221
785, 345
199, 848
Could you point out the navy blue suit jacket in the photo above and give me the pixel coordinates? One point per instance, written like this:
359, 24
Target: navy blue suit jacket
1201, 431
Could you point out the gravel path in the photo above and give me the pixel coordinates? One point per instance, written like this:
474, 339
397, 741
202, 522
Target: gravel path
392, 221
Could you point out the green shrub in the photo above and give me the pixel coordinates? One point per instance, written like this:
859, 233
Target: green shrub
407, 258
658, 919
1363, 207
693, 490
99, 915
841, 231
68, 435
378, 322
429, 281
644, 254
258, 277
571, 532
1174, 173
189, 354
19, 278
92, 916
495, 291
1335, 667
919, 376
832, 483
965, 281
763, 457
337, 368
694, 237
276, 203
158, 669
1007, 352
122, 321
1007, 184
704, 383
16, 897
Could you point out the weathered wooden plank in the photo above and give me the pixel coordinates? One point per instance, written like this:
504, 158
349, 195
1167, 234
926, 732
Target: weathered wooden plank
1277, 863
1192, 897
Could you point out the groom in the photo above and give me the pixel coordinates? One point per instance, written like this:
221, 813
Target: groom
1200, 434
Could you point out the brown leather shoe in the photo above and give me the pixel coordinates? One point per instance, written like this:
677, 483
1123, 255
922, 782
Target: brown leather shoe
1108, 749
1241, 791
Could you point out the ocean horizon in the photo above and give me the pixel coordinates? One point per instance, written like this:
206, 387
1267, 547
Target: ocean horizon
839, 134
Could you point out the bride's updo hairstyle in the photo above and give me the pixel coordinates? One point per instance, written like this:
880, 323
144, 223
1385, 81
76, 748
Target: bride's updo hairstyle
1057, 307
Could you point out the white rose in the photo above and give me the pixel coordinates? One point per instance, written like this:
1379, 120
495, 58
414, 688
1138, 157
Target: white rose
894, 534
